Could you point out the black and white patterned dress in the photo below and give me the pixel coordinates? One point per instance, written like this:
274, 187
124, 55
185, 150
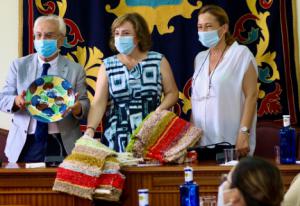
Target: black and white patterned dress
133, 94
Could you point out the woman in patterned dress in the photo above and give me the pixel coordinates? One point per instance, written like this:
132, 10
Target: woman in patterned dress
130, 84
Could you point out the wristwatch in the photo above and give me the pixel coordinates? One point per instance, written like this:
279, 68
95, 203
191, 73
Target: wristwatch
245, 130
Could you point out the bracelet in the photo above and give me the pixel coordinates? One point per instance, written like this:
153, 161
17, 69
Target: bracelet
92, 128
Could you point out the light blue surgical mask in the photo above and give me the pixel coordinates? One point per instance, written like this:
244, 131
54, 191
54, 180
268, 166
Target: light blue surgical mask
46, 47
209, 38
124, 44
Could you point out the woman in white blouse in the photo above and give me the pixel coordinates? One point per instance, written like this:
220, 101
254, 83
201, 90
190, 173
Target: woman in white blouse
224, 88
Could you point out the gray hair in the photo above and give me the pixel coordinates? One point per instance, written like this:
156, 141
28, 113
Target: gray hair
60, 21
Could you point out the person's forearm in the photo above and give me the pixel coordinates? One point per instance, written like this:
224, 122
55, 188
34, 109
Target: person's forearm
169, 100
249, 111
99, 103
95, 115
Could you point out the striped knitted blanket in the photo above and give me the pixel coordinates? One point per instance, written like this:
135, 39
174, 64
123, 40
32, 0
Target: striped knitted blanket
111, 181
86, 168
163, 136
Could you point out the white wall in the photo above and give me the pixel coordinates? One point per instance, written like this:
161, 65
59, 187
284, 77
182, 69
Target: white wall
9, 42
9, 22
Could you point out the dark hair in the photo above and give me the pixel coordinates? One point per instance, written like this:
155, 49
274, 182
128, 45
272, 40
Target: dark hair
259, 181
221, 17
141, 29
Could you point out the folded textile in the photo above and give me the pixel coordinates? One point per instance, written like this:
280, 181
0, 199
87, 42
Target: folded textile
111, 181
127, 159
149, 131
190, 137
163, 136
110, 185
78, 174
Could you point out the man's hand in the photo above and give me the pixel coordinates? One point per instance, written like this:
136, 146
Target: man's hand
76, 109
20, 101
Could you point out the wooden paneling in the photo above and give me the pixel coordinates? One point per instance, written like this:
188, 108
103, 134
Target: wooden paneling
3, 137
163, 182
3, 133
33, 187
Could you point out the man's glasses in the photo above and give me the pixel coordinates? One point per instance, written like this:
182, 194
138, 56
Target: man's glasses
48, 35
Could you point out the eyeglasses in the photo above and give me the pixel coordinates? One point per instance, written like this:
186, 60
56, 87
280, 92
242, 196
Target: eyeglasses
47, 35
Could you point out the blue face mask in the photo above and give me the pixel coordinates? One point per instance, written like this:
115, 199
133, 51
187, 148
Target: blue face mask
46, 47
209, 38
124, 44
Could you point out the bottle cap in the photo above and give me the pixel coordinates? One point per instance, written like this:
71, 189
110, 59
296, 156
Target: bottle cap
188, 168
143, 191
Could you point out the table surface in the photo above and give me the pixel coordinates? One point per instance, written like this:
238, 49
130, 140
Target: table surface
21, 186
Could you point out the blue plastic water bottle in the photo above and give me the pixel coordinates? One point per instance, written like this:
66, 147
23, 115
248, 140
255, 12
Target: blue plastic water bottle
189, 191
287, 142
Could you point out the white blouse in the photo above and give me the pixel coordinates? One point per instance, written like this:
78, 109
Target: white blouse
218, 109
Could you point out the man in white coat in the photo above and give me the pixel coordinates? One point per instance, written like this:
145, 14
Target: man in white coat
22, 144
